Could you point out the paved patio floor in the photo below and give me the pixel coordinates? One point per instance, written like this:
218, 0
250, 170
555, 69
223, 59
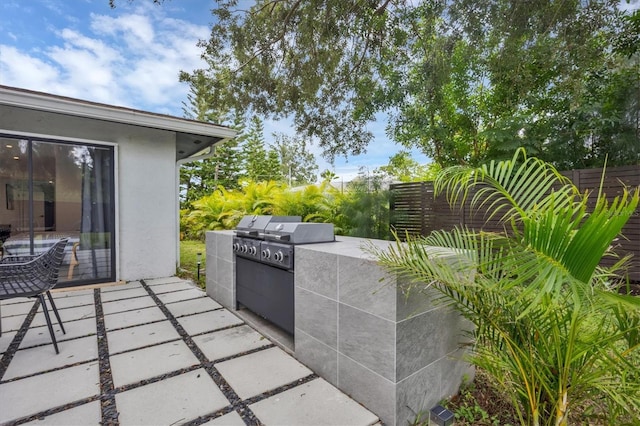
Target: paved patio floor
157, 352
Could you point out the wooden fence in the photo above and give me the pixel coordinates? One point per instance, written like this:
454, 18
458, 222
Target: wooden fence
414, 210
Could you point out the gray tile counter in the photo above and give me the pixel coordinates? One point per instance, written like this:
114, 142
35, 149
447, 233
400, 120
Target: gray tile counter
354, 327
220, 270
396, 355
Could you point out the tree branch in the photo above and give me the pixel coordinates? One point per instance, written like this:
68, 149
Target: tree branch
380, 10
274, 41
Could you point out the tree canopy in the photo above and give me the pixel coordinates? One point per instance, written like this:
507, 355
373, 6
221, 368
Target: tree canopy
462, 80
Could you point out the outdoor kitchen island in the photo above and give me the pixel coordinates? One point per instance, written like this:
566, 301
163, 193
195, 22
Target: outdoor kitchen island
395, 355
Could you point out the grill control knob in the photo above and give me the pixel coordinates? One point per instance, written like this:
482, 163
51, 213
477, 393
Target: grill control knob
245, 248
266, 253
253, 250
279, 256
236, 246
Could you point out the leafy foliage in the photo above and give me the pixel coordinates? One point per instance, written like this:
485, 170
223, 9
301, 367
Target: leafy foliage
404, 168
295, 163
464, 81
356, 211
224, 208
364, 208
548, 327
260, 59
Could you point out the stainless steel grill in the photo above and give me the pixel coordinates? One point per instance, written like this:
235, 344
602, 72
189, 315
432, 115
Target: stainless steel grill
264, 247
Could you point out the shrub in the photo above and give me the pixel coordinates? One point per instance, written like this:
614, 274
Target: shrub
549, 327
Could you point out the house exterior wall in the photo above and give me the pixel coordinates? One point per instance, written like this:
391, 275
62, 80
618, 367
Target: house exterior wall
146, 192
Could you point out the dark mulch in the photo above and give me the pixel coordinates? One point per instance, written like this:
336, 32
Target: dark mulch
482, 403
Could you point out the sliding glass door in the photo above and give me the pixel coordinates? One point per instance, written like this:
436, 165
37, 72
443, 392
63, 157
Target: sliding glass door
54, 189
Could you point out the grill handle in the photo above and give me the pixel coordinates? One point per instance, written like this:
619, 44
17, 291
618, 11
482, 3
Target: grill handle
247, 233
278, 237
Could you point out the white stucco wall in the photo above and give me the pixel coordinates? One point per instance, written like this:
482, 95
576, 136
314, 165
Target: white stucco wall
147, 210
146, 190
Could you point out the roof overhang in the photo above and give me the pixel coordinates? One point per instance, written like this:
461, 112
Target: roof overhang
192, 137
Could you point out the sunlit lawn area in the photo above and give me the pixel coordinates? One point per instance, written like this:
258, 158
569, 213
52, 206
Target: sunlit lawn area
189, 250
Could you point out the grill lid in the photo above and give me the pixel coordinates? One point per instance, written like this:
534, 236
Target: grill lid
254, 226
299, 232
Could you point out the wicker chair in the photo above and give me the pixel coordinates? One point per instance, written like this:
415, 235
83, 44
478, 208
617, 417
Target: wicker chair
33, 276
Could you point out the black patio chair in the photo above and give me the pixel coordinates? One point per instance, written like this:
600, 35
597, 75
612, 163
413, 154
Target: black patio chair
33, 276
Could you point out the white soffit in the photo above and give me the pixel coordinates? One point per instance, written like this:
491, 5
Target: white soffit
63, 105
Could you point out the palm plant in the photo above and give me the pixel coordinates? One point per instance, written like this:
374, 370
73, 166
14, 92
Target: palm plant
224, 208
216, 211
259, 197
310, 202
549, 327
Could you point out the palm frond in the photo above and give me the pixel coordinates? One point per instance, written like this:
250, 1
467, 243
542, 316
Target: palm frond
508, 187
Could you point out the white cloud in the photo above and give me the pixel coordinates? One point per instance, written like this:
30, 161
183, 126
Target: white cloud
136, 29
22, 70
53, 6
157, 48
82, 67
132, 59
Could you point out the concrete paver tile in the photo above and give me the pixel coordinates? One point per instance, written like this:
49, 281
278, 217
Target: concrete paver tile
67, 314
68, 292
133, 320
261, 371
6, 339
85, 414
127, 305
130, 318
40, 335
139, 336
38, 393
313, 403
132, 367
123, 294
63, 302
127, 286
229, 419
193, 306
172, 401
165, 280
177, 296
175, 286
12, 323
208, 321
224, 343
44, 358
12, 309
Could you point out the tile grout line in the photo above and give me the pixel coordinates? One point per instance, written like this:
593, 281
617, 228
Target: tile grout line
109, 410
235, 401
50, 411
51, 370
280, 389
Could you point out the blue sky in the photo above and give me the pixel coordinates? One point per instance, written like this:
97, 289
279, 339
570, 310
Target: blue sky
128, 56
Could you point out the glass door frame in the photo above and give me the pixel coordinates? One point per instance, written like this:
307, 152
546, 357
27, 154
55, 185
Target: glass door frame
112, 219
